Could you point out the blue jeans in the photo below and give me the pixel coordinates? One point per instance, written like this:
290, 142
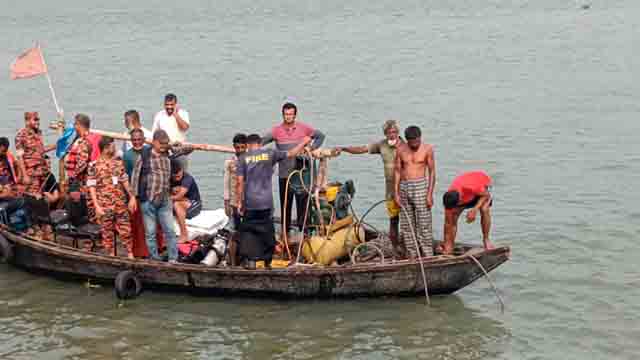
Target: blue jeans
164, 215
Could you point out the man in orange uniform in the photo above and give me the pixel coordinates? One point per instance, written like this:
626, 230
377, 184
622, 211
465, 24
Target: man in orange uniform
30, 148
109, 186
77, 162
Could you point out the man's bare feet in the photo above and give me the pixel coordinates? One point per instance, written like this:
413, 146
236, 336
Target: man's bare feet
444, 250
488, 244
130, 256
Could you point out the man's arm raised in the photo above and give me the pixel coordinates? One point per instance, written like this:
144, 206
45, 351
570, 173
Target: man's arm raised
183, 122
355, 149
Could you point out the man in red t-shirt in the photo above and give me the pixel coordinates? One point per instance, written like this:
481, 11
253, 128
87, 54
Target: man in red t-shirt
471, 191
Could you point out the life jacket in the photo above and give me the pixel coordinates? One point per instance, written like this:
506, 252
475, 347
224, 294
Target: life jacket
94, 140
71, 162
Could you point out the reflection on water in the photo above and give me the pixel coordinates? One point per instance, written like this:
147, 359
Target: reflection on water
73, 321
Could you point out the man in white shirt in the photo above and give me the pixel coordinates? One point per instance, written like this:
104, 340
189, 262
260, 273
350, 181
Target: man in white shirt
175, 122
132, 121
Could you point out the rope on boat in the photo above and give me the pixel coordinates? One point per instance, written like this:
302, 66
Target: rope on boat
353, 254
285, 231
360, 221
486, 275
415, 239
306, 213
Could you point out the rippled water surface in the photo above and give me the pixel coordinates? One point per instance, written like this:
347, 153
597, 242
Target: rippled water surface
541, 94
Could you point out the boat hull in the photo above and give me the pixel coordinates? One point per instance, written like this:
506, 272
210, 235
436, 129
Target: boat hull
444, 275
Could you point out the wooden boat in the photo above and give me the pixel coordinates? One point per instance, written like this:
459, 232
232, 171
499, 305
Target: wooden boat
444, 274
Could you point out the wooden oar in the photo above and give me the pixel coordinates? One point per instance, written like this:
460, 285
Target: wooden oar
120, 136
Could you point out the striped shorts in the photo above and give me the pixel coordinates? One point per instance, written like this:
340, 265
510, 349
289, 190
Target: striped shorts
413, 195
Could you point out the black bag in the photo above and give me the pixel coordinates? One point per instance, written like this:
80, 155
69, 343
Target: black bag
78, 211
15, 214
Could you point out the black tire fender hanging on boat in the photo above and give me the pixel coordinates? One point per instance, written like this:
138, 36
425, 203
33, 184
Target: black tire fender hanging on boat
127, 285
6, 250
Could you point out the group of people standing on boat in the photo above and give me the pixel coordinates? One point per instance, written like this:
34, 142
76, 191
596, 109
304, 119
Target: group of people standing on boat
410, 178
137, 190
131, 191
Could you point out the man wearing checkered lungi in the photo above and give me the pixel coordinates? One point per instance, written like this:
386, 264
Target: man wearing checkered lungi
415, 178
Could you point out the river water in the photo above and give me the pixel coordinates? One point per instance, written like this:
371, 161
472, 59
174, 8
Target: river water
541, 94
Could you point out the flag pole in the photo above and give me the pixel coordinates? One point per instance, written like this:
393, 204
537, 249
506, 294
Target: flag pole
53, 93
61, 173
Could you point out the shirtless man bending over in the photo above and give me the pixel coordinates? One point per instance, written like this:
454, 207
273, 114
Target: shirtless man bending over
415, 178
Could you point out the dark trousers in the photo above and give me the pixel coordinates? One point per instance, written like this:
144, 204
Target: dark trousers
301, 204
256, 235
259, 216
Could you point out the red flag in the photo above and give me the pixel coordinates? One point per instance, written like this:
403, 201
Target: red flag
30, 63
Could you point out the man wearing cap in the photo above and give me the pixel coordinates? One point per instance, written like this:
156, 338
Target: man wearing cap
387, 150
30, 148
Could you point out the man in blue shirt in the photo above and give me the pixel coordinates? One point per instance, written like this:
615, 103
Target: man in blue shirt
185, 196
255, 198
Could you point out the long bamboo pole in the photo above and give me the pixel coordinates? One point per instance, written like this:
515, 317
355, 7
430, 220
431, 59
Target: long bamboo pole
121, 136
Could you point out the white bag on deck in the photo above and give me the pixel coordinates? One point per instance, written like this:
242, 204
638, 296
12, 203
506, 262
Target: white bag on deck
208, 222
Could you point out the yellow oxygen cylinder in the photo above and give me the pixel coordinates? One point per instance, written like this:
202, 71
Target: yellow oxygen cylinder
327, 249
